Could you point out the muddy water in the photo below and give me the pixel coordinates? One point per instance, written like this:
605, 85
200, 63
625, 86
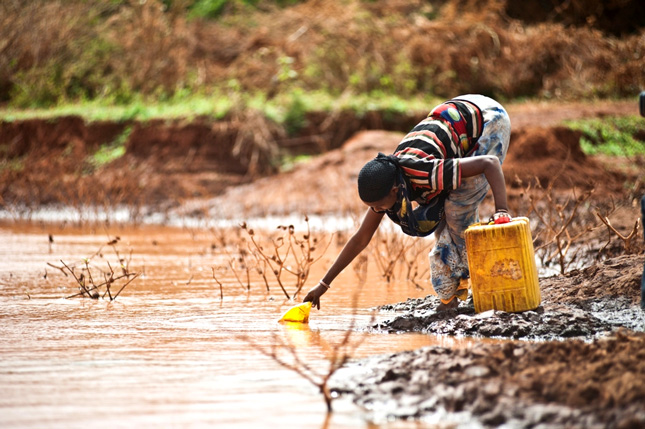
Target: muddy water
169, 351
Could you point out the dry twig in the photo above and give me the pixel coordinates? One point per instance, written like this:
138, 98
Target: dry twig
221, 289
290, 254
561, 225
627, 239
286, 354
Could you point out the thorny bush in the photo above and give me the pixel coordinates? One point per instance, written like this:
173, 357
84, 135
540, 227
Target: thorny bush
562, 223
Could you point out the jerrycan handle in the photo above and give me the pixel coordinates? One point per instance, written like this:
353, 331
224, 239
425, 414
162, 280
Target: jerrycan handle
500, 217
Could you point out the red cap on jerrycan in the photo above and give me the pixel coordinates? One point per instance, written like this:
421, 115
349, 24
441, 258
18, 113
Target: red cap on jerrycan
500, 217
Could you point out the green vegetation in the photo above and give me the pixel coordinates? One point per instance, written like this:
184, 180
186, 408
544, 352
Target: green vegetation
614, 136
14, 165
111, 152
286, 108
213, 9
171, 53
140, 110
288, 162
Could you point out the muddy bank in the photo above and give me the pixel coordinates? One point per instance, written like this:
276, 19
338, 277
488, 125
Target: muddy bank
544, 154
516, 384
584, 304
596, 378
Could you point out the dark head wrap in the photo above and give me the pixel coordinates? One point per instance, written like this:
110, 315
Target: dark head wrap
375, 180
377, 177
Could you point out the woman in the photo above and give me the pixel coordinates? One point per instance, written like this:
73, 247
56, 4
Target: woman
445, 164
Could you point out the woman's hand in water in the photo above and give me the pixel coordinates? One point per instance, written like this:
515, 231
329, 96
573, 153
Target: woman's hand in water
314, 294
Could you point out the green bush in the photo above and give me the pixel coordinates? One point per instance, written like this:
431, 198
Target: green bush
213, 9
614, 136
295, 118
208, 8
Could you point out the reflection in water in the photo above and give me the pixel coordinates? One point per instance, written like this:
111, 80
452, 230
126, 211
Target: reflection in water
168, 351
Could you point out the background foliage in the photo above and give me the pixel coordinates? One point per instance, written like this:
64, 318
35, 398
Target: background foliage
120, 51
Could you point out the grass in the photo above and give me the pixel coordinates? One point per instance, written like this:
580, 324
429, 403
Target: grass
613, 136
111, 152
15, 165
289, 162
140, 110
280, 109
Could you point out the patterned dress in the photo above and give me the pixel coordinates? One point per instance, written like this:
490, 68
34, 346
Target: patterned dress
429, 157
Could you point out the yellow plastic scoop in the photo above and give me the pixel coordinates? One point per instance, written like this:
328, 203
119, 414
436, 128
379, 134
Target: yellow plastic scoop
298, 313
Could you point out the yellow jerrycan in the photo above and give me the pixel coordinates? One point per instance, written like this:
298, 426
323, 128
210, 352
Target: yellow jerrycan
298, 313
501, 260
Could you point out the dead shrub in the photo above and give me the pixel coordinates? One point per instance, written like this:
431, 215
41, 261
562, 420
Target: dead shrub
280, 256
399, 256
157, 46
631, 241
95, 281
561, 223
255, 144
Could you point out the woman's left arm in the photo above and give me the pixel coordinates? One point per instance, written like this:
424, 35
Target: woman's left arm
489, 166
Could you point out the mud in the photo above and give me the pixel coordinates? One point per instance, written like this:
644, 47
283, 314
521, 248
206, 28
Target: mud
596, 378
516, 384
584, 368
583, 304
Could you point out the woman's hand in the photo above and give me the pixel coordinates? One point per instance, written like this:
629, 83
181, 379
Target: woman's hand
500, 216
314, 294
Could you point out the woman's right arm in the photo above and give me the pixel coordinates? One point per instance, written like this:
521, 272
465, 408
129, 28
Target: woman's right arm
354, 246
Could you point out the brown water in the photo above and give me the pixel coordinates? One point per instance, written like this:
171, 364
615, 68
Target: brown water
168, 352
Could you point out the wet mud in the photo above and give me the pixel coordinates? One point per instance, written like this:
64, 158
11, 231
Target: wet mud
586, 369
581, 304
516, 384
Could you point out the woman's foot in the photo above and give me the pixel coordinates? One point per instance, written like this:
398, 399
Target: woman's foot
454, 303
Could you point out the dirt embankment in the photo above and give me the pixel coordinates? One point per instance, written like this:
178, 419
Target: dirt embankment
165, 162
540, 148
169, 162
